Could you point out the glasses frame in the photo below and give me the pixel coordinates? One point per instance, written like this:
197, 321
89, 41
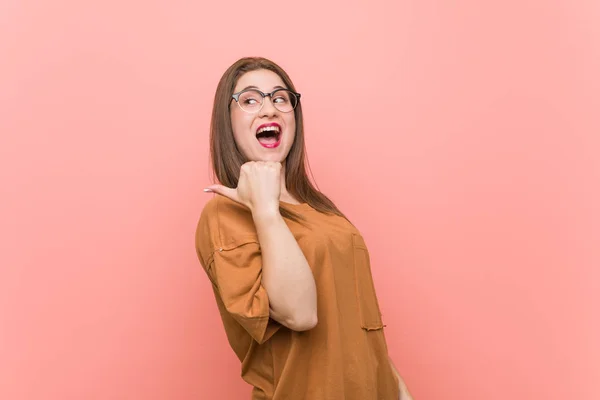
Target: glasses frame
236, 97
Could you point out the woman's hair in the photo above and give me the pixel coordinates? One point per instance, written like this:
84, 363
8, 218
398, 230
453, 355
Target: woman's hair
227, 159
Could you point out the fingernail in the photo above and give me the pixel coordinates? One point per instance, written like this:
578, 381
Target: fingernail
207, 190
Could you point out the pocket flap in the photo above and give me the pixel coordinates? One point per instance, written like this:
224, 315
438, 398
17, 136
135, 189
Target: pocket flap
370, 314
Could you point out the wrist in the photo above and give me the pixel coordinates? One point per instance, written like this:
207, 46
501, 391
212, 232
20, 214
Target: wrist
265, 214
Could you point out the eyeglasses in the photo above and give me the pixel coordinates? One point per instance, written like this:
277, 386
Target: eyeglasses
252, 100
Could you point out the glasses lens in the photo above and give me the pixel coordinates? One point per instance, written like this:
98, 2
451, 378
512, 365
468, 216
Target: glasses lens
250, 101
284, 100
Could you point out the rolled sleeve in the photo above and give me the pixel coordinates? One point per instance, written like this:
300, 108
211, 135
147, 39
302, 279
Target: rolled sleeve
237, 273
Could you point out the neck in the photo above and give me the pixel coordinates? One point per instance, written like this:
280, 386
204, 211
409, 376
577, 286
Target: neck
284, 192
285, 195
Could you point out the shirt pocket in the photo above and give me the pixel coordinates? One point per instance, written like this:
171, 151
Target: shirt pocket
370, 314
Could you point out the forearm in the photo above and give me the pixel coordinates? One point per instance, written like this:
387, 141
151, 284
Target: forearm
286, 275
394, 368
404, 393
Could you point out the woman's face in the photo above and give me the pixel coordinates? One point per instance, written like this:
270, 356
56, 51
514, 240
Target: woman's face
273, 144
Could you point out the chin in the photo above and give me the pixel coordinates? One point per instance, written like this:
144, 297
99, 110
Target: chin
273, 157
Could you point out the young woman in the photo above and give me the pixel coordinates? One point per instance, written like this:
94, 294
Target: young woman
290, 273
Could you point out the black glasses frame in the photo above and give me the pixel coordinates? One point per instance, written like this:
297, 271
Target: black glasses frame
236, 97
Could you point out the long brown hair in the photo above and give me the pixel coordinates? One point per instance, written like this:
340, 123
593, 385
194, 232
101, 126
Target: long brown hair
227, 159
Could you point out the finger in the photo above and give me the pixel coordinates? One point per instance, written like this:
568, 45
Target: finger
223, 191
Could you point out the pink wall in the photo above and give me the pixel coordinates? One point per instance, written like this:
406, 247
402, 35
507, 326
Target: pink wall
461, 138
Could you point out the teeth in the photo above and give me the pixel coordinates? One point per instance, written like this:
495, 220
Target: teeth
268, 128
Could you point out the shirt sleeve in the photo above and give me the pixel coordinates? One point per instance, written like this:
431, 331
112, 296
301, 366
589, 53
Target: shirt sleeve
229, 251
237, 272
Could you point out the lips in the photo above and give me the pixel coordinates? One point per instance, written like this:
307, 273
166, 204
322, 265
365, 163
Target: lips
269, 135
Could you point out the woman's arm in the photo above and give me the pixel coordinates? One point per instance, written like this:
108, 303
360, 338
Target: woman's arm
404, 393
286, 275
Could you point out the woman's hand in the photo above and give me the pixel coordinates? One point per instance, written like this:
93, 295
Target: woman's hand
286, 275
259, 186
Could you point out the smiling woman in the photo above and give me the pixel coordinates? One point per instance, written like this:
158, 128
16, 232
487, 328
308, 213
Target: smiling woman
290, 273
258, 111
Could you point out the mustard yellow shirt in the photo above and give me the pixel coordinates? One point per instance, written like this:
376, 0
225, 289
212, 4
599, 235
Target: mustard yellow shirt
345, 356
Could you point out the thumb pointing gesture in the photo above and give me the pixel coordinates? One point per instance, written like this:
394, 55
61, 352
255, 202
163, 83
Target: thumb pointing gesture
258, 187
224, 191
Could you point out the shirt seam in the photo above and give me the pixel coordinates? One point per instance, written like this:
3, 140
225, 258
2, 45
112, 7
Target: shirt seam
233, 243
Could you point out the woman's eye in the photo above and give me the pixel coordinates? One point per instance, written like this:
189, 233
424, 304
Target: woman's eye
250, 101
280, 100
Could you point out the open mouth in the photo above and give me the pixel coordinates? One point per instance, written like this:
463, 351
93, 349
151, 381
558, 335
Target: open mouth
269, 135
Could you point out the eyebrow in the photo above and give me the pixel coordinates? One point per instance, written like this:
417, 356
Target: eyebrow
256, 87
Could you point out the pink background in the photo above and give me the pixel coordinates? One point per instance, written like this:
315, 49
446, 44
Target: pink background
461, 137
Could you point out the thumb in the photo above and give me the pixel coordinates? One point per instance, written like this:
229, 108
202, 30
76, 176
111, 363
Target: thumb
223, 191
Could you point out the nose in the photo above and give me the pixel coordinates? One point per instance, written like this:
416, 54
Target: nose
268, 109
